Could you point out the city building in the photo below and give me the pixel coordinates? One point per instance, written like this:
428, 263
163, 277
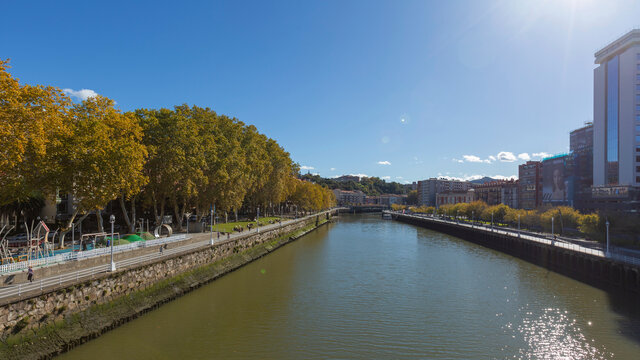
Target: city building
581, 145
427, 189
498, 192
616, 124
558, 180
455, 197
349, 197
530, 185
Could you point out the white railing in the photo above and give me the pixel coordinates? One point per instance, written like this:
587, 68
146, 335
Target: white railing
80, 255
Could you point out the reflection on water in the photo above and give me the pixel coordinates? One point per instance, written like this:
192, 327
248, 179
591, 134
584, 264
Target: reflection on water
366, 288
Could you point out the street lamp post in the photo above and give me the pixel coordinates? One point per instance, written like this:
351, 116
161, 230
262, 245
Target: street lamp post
491, 221
552, 232
211, 223
457, 221
112, 220
258, 220
472, 218
607, 224
188, 215
518, 225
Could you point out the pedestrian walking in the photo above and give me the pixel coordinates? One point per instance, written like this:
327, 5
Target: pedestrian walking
30, 274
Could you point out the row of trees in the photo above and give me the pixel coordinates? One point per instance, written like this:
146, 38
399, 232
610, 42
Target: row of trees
371, 186
185, 159
566, 219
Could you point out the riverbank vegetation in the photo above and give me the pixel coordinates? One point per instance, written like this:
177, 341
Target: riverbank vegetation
624, 229
184, 160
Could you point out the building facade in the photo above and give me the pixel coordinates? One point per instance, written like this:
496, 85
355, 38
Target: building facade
348, 197
428, 189
498, 192
454, 197
616, 123
530, 185
558, 180
581, 145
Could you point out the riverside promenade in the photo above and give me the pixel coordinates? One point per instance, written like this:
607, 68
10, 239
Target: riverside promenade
81, 268
589, 264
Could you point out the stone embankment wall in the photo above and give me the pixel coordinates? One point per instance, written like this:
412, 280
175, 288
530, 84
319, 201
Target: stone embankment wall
51, 323
594, 270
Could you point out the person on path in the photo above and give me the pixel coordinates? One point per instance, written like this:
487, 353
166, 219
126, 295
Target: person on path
30, 274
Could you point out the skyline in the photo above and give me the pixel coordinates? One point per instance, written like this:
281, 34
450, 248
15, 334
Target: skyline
402, 91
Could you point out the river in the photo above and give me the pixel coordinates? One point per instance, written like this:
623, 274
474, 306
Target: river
367, 288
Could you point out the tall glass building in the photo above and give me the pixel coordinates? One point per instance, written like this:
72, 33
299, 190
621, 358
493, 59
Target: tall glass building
616, 121
616, 112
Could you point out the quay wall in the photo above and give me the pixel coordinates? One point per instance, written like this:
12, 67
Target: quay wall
595, 270
48, 324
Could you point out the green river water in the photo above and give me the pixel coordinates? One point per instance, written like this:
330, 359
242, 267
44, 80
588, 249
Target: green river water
367, 288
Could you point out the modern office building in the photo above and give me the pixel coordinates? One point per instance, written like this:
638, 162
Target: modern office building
616, 123
581, 145
428, 189
530, 185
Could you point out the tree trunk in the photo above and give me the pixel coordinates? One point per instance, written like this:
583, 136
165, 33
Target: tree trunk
69, 226
163, 202
124, 211
155, 205
132, 226
236, 213
99, 218
176, 213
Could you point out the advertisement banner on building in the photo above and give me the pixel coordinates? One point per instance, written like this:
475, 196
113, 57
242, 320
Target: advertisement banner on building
557, 181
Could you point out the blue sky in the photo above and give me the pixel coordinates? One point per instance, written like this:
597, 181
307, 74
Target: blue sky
403, 90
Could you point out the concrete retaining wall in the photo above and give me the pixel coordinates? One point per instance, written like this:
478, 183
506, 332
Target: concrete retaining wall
591, 269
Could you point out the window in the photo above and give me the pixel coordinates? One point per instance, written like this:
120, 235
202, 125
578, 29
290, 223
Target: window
638, 99
638, 149
638, 159
638, 169
638, 77
638, 138
638, 179
638, 128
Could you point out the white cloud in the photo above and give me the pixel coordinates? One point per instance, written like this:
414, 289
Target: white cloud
333, 169
384, 163
399, 177
82, 94
492, 158
475, 159
541, 154
506, 156
304, 167
524, 156
385, 177
359, 175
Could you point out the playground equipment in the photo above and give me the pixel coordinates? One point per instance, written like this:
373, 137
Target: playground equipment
38, 241
158, 230
93, 238
5, 254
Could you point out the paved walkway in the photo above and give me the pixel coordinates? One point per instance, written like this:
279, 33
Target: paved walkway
41, 285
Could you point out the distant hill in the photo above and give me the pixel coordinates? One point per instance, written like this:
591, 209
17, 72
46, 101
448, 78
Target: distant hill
484, 180
368, 185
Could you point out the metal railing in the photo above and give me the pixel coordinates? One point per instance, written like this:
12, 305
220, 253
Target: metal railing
539, 239
79, 255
